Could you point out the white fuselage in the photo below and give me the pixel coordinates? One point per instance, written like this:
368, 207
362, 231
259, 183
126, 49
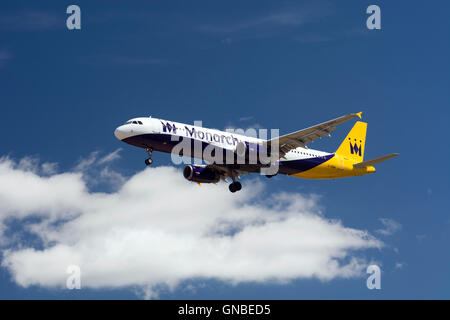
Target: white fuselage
172, 131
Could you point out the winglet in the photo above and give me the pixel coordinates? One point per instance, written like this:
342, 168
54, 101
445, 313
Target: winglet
359, 114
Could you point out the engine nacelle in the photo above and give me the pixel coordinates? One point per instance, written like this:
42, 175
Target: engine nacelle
200, 174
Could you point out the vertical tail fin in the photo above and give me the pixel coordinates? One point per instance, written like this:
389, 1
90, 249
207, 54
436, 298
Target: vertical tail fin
354, 144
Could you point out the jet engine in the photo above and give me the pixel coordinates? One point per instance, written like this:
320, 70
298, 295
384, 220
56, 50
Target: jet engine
200, 174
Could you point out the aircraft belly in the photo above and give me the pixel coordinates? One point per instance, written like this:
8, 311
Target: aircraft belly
292, 167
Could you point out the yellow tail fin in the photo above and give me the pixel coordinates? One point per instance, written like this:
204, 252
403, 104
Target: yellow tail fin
354, 144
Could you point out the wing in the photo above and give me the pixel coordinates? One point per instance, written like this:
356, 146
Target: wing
232, 171
302, 137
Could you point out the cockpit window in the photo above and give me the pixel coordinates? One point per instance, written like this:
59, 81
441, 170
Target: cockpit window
133, 122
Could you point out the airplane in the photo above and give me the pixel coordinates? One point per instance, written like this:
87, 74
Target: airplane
292, 156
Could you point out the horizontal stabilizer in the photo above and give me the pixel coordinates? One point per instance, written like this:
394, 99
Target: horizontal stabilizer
373, 162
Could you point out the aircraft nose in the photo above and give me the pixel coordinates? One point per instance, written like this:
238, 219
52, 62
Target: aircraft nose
120, 133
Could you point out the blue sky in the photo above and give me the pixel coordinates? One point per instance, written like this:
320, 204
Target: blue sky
284, 64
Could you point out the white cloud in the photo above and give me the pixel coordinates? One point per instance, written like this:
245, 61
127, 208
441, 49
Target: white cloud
287, 16
421, 237
95, 170
246, 118
110, 157
158, 230
85, 163
112, 177
254, 130
30, 163
390, 227
29, 20
49, 168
